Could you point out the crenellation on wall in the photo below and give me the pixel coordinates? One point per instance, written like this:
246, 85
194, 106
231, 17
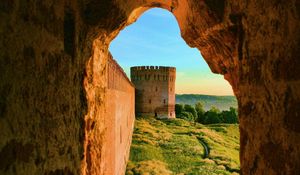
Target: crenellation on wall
117, 78
162, 68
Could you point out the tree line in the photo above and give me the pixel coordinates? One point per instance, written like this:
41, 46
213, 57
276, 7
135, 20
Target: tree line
198, 114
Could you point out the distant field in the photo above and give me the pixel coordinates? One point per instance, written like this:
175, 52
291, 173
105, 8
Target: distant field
167, 147
221, 102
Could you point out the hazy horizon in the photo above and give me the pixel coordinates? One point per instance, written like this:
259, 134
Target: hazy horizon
155, 40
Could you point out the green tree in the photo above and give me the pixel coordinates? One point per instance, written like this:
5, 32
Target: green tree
186, 116
212, 116
200, 112
215, 109
230, 116
179, 108
191, 109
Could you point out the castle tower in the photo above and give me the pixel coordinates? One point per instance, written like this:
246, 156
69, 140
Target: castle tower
155, 90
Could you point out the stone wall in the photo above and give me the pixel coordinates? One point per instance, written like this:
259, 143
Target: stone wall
42, 97
119, 119
53, 80
155, 90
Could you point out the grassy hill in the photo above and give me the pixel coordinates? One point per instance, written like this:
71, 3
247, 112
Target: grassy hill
221, 102
165, 147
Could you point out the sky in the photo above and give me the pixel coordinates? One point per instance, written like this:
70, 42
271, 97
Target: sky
155, 40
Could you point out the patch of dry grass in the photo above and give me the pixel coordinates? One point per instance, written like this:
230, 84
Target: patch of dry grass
148, 167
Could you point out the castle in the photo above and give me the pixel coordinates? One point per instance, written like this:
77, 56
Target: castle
155, 90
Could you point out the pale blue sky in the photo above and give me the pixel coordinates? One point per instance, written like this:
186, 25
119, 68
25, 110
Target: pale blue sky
155, 40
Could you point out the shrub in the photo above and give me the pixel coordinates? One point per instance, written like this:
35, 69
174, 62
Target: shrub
151, 167
186, 116
200, 112
212, 116
191, 109
179, 109
230, 116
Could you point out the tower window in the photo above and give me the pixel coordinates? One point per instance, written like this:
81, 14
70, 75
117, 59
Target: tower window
150, 101
156, 89
164, 101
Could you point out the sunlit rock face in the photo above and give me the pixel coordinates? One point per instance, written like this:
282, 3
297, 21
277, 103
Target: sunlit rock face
53, 57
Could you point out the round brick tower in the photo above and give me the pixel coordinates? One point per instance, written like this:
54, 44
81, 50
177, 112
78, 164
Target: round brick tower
155, 90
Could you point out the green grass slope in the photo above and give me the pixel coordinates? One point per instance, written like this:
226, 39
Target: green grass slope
167, 147
221, 102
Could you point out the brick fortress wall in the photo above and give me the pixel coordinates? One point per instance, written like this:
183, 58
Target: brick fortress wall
120, 118
155, 90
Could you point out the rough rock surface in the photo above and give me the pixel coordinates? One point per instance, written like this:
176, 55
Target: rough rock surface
53, 79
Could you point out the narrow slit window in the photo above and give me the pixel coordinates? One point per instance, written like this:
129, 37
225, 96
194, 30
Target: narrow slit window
120, 134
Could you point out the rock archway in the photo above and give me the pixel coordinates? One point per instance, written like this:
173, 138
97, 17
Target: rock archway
53, 123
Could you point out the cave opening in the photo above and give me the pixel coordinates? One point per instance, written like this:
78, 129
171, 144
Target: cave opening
154, 40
